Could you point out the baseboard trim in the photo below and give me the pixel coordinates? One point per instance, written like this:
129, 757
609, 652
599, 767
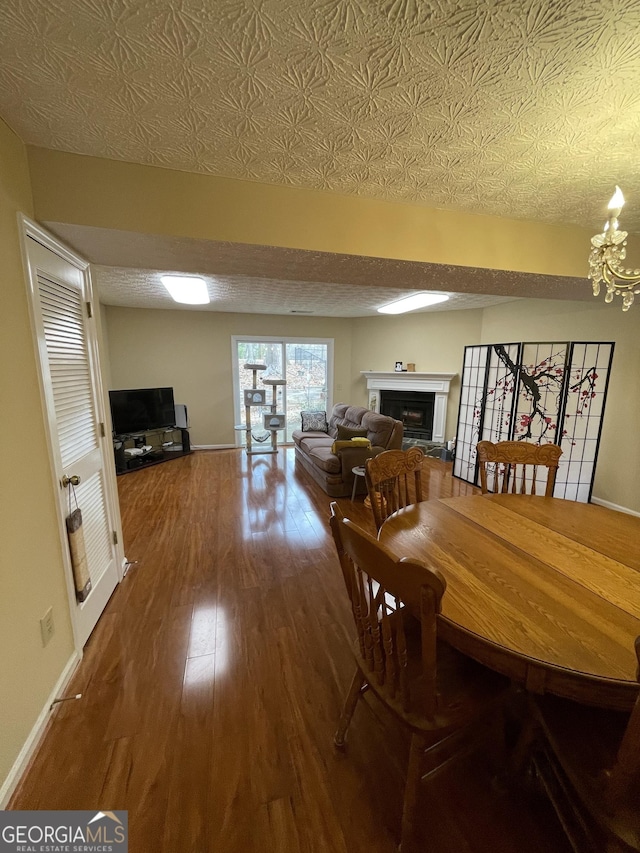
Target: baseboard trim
35, 735
213, 447
618, 508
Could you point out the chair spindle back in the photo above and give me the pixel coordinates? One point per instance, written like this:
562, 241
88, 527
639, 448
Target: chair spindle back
383, 591
511, 466
394, 480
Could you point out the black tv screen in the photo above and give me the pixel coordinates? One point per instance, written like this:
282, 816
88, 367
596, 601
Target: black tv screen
139, 409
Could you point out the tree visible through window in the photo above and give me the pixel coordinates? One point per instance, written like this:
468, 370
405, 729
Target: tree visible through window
303, 363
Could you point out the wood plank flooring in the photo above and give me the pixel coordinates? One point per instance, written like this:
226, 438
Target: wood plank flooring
213, 682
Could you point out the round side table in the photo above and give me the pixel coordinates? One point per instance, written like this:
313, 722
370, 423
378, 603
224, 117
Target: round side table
358, 471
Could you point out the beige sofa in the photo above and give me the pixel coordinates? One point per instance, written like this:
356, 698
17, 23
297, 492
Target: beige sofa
334, 471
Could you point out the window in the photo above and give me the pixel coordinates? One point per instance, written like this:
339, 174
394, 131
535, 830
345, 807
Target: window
305, 363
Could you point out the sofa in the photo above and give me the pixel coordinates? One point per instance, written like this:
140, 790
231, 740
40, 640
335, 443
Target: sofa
333, 471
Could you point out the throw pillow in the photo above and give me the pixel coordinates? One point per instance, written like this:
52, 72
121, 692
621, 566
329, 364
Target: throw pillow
314, 422
346, 433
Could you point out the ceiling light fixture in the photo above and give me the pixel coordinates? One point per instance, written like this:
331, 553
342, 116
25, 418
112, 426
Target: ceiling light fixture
605, 261
188, 289
411, 303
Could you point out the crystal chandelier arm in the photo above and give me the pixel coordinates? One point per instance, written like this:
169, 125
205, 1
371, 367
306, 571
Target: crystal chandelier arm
605, 265
631, 276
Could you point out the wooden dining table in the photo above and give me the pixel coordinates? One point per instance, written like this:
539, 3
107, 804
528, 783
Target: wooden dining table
544, 590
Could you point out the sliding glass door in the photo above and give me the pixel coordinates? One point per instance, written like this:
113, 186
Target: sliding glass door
305, 363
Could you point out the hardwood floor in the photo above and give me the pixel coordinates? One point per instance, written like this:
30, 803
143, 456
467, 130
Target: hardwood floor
213, 682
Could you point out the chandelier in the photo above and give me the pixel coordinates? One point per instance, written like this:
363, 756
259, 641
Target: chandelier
605, 261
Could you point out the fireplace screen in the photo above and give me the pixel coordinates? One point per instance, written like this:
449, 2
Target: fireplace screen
412, 417
413, 408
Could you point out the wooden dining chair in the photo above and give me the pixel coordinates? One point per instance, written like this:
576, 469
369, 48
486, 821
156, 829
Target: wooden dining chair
394, 480
433, 690
589, 762
512, 466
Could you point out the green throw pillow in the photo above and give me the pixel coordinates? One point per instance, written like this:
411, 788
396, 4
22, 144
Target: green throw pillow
346, 433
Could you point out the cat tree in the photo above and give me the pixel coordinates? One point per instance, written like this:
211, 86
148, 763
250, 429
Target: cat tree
273, 421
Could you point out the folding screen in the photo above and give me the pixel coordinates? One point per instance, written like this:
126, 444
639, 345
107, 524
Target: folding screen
536, 392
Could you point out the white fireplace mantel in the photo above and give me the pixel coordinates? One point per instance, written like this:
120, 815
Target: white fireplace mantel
392, 380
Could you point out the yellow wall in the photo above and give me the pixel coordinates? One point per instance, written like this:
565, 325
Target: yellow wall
434, 342
31, 568
92, 191
191, 350
543, 320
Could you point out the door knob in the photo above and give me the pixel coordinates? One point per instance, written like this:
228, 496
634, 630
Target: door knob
73, 480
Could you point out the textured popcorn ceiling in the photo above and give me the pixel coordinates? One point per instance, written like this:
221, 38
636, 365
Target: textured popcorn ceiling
522, 108
276, 280
242, 294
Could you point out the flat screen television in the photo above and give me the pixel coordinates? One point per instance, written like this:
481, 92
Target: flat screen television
139, 409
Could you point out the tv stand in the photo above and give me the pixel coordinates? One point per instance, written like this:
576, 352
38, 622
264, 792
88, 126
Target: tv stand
151, 447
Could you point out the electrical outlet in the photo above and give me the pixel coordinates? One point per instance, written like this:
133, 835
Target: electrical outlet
47, 627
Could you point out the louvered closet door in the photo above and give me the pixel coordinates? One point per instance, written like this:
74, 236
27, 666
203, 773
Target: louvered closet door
66, 352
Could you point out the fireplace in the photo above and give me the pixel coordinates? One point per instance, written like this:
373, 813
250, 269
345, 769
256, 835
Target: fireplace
415, 389
413, 408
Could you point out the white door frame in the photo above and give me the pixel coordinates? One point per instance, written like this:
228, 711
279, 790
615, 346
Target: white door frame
30, 229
